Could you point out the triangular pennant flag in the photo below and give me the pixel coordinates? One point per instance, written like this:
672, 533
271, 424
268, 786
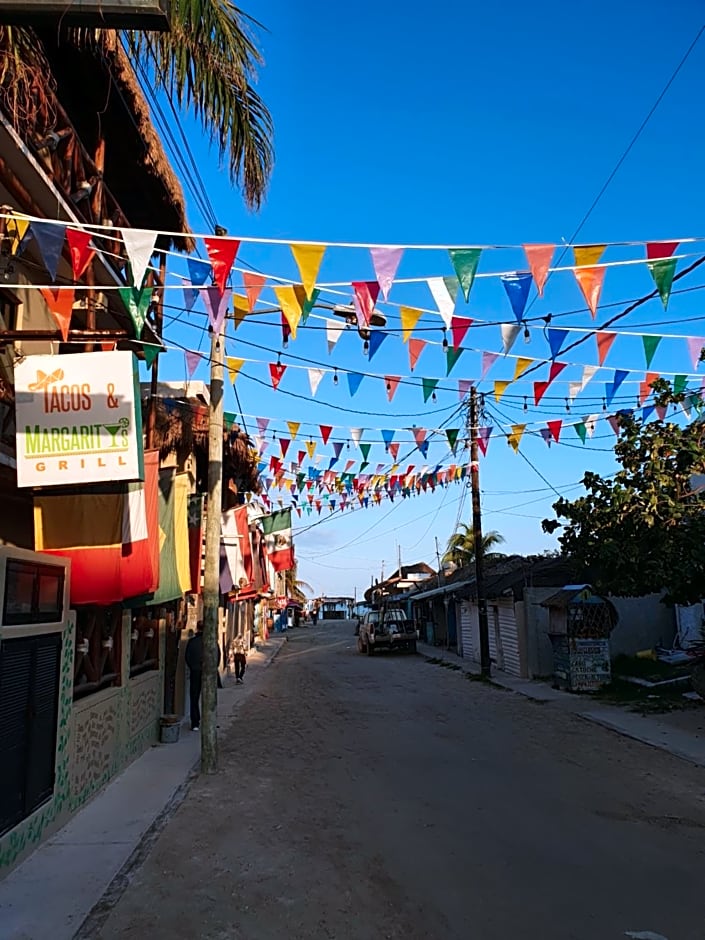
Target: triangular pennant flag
276, 372
365, 450
308, 260
539, 391
50, 239
354, 379
419, 436
459, 327
604, 342
556, 369
139, 247
464, 386
500, 388
192, 360
587, 255
387, 437
314, 379
325, 430
216, 303
423, 447
190, 295
574, 388
645, 386
391, 382
517, 286
241, 308
409, 319
555, 428
520, 366
588, 373
365, 297
385, 262
284, 444
590, 281
539, 259
16, 229
222, 253
80, 250
416, 347
581, 430
661, 412
286, 330
696, 344
663, 272
612, 387
452, 435
253, 283
262, 425
591, 424
510, 331
556, 338
650, 346
394, 450
465, 262
60, 303
291, 308
355, 434
333, 332
647, 412
234, 366
337, 448
377, 337
483, 439
443, 296
680, 383
151, 351
429, 387
310, 448
657, 250
488, 360
136, 303
613, 422
307, 303
452, 356
293, 428
199, 271
514, 438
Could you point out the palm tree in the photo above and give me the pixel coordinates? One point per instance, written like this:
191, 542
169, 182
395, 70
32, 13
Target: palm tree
461, 546
294, 587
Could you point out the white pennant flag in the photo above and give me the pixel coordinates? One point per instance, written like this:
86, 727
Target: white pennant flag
510, 331
444, 302
333, 331
139, 245
588, 372
314, 378
590, 423
356, 434
574, 388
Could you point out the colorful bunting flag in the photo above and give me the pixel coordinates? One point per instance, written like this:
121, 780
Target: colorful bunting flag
385, 262
419, 436
325, 430
262, 425
50, 241
452, 356
465, 262
290, 305
284, 444
310, 449
222, 253
377, 337
354, 379
612, 387
510, 331
520, 366
444, 291
216, 303
294, 427
464, 386
483, 439
416, 347
365, 297
391, 382
680, 383
276, 372
139, 247
80, 250
500, 388
16, 229
514, 438
409, 319
581, 430
539, 391
645, 386
308, 259
517, 286
234, 366
588, 373
695, 348
555, 370
452, 435
556, 338
488, 360
192, 360
604, 343
60, 303
555, 429
394, 450
136, 303
253, 284
459, 327
650, 346
314, 379
333, 333
241, 308
429, 387
539, 260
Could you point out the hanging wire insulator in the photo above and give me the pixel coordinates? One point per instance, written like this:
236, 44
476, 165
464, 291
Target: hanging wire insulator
335, 376
527, 333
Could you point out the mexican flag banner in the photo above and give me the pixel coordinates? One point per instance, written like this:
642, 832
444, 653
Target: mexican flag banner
277, 539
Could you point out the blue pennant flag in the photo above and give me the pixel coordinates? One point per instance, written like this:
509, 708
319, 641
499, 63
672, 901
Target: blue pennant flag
387, 437
556, 338
354, 379
50, 239
611, 387
377, 337
517, 287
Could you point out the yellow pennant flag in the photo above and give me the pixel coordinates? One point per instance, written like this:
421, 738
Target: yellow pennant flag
240, 309
310, 448
308, 260
16, 229
409, 319
587, 255
291, 308
234, 366
514, 438
499, 389
521, 366
293, 428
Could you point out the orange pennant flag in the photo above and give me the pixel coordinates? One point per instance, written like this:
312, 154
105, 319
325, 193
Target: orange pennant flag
645, 386
409, 319
253, 286
590, 281
60, 303
539, 258
604, 342
308, 260
391, 381
416, 347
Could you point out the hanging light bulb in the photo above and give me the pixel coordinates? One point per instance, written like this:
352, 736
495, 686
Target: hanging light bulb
445, 342
279, 359
389, 386
567, 404
366, 347
604, 405
285, 342
433, 397
526, 407
527, 334
335, 376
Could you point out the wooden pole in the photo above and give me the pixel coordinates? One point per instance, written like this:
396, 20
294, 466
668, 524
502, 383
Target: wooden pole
485, 661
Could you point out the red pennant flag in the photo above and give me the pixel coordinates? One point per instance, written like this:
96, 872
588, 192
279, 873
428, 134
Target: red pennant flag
645, 386
416, 347
556, 369
81, 254
661, 411
302, 456
657, 250
539, 391
276, 372
555, 428
391, 381
222, 253
604, 341
60, 304
459, 327
366, 294
325, 432
253, 287
284, 444
539, 258
394, 450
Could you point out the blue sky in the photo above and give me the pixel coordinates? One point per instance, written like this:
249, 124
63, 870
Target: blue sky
494, 124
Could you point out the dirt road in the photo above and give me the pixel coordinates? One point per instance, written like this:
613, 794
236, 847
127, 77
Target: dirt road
388, 798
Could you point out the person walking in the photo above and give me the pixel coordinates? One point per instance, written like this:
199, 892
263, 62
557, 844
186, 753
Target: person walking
240, 658
194, 661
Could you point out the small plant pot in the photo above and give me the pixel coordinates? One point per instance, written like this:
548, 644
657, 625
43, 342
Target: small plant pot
169, 729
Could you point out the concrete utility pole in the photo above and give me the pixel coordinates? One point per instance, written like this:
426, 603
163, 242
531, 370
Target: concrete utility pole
211, 574
485, 662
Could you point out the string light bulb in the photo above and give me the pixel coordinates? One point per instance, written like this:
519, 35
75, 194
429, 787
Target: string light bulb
366, 347
567, 404
604, 405
527, 334
526, 407
445, 341
285, 342
335, 376
433, 397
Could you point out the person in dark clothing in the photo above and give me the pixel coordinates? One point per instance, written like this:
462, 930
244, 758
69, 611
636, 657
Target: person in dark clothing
194, 661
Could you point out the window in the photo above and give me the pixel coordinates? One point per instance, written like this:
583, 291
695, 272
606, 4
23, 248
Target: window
144, 641
98, 645
34, 593
8, 311
29, 703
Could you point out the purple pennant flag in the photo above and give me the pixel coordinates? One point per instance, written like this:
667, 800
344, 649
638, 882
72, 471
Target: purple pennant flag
192, 360
50, 239
337, 447
385, 262
464, 386
483, 438
262, 425
488, 360
377, 337
546, 435
216, 305
517, 287
695, 347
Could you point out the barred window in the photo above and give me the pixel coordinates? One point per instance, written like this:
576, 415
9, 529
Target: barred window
98, 647
144, 641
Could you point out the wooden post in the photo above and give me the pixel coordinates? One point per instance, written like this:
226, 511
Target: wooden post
485, 661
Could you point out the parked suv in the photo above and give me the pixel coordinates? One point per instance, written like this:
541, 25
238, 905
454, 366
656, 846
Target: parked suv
388, 629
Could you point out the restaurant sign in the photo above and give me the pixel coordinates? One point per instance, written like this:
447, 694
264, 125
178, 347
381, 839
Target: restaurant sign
78, 419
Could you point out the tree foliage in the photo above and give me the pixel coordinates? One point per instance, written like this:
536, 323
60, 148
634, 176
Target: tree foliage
461, 546
643, 530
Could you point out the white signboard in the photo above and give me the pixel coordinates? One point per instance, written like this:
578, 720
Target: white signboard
78, 419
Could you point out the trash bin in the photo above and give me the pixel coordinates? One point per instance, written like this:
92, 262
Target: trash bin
169, 729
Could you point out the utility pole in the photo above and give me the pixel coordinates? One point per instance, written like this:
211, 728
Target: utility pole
211, 575
485, 662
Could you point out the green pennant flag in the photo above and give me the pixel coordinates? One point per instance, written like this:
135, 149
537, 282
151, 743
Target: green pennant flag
465, 262
136, 303
662, 271
452, 286
679, 384
365, 450
151, 351
363, 465
581, 430
650, 347
429, 386
452, 356
308, 304
452, 435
